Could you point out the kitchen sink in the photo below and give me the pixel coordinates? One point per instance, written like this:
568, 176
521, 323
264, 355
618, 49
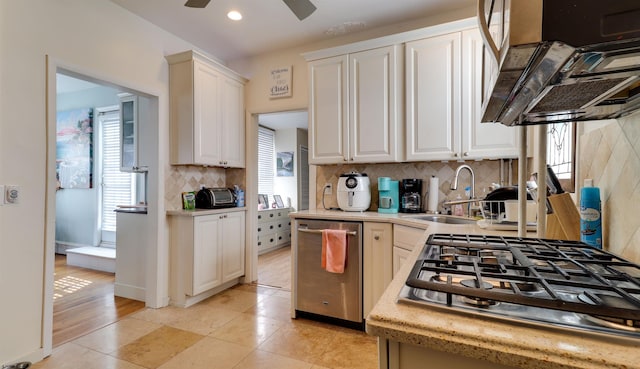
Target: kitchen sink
443, 219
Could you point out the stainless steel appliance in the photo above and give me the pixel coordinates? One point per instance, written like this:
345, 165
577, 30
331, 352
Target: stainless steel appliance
336, 297
549, 283
411, 195
214, 198
560, 60
354, 192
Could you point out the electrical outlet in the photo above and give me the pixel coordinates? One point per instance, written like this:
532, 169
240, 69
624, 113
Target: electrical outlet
328, 188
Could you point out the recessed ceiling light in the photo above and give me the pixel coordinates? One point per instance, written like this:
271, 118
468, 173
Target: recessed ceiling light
234, 15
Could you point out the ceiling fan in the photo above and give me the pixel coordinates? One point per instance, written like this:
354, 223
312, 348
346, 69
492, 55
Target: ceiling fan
301, 8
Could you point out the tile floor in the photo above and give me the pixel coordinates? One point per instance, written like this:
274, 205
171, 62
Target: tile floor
245, 327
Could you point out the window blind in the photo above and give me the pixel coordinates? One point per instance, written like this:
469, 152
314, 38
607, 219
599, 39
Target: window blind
116, 185
266, 161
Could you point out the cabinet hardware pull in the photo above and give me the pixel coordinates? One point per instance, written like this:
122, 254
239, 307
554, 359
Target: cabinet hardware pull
376, 237
319, 231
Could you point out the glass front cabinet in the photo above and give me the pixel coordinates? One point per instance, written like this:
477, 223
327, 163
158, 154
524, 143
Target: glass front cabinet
128, 132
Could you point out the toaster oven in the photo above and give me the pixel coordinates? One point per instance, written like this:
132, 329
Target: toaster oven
215, 198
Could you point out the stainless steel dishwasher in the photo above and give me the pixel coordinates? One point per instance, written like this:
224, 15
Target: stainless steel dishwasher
323, 295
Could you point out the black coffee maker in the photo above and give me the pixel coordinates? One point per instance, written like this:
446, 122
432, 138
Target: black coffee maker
411, 195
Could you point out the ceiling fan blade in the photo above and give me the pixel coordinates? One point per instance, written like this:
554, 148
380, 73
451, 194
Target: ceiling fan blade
301, 8
196, 3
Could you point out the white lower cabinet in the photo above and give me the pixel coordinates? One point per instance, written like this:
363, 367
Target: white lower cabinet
274, 229
405, 240
207, 253
376, 265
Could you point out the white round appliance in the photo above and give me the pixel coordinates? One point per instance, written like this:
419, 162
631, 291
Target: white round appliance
354, 192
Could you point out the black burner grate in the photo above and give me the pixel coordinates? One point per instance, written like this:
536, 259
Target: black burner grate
556, 274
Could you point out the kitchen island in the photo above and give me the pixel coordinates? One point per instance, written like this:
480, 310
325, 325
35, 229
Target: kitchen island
412, 336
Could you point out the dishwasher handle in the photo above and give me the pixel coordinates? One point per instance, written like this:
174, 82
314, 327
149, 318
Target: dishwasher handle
318, 231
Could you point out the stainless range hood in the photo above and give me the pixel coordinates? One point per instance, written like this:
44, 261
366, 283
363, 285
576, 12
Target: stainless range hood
560, 60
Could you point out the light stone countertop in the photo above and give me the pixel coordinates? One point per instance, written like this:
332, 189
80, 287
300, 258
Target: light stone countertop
199, 212
481, 337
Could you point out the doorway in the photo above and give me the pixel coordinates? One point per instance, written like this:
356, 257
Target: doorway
83, 274
283, 179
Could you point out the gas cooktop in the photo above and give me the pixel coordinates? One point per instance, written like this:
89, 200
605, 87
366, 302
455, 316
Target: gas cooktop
563, 284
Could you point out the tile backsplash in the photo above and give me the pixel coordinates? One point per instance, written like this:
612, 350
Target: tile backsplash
486, 172
610, 155
184, 178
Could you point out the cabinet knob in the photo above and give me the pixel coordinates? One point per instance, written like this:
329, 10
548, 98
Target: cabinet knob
259, 229
466, 154
455, 154
376, 237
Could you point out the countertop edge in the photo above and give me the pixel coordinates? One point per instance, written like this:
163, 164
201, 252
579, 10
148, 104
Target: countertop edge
200, 212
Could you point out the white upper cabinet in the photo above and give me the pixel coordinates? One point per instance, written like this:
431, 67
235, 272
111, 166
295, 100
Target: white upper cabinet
480, 140
444, 101
206, 112
374, 105
328, 110
129, 124
355, 107
433, 97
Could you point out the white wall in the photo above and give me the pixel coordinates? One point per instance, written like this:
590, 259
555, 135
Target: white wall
91, 37
286, 141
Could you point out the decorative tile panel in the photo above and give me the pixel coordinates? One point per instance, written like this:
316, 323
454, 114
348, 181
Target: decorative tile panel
611, 157
184, 178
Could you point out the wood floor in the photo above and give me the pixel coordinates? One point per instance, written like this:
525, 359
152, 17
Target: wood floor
274, 268
83, 301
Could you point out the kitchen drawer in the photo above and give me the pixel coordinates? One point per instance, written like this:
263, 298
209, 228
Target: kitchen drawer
283, 225
267, 228
406, 237
284, 237
267, 241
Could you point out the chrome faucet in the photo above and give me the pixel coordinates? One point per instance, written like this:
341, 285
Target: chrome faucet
454, 184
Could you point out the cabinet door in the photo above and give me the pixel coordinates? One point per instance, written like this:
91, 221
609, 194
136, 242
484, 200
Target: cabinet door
207, 273
233, 124
433, 98
480, 140
207, 118
232, 245
328, 117
400, 256
374, 105
128, 132
377, 263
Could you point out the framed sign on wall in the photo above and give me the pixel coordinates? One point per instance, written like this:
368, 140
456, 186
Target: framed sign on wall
280, 85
